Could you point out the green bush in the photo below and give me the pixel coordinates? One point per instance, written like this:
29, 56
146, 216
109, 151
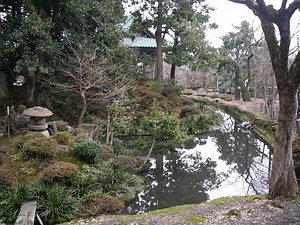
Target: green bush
61, 125
20, 140
56, 204
202, 102
96, 204
186, 101
59, 172
189, 111
40, 147
171, 91
11, 201
64, 138
118, 182
106, 153
86, 150
126, 163
83, 183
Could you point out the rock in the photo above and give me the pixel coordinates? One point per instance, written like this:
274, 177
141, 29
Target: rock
52, 128
88, 130
63, 148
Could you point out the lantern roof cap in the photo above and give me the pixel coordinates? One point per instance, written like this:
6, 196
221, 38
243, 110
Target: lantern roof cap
37, 111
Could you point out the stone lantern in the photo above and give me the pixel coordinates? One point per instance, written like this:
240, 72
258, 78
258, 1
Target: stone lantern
37, 119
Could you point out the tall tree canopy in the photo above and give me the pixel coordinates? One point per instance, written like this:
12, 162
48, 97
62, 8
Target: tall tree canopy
283, 180
184, 22
238, 48
32, 34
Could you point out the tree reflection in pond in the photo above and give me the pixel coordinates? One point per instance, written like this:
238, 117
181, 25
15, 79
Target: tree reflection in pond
229, 163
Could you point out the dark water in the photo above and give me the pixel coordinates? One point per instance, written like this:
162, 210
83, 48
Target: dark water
230, 162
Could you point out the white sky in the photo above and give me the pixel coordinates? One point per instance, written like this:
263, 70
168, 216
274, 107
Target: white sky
228, 14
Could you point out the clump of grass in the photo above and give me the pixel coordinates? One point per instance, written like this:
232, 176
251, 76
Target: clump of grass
276, 205
234, 213
194, 219
223, 200
252, 198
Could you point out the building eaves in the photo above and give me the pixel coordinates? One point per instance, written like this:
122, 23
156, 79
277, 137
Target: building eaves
140, 42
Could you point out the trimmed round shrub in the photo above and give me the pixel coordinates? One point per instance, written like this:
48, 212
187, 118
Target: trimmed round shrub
86, 150
59, 172
96, 204
106, 153
61, 125
64, 138
127, 163
40, 148
19, 141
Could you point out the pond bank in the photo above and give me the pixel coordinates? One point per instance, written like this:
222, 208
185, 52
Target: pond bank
244, 111
229, 210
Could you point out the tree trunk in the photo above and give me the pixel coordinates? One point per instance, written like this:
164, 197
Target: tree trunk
3, 85
158, 38
30, 89
245, 91
83, 111
283, 180
174, 51
173, 68
237, 93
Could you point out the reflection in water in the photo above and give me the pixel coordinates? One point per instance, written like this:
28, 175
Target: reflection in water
230, 162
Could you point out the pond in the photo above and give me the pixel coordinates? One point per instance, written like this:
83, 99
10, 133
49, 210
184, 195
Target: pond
226, 162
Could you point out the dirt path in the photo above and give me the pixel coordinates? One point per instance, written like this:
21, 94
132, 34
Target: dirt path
227, 211
255, 106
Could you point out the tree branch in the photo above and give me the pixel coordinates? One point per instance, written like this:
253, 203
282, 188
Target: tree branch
293, 7
250, 4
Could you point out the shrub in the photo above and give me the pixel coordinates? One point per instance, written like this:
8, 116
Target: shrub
59, 171
171, 91
126, 163
96, 204
189, 111
64, 138
106, 153
11, 202
56, 204
86, 150
40, 147
187, 101
118, 182
61, 125
83, 183
202, 102
19, 141
7, 178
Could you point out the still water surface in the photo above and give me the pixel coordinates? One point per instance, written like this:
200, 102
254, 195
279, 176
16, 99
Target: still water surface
230, 162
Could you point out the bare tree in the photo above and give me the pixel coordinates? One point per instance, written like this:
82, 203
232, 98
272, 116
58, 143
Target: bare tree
283, 179
91, 75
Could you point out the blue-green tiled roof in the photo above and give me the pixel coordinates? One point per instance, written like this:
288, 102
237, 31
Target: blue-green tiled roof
140, 41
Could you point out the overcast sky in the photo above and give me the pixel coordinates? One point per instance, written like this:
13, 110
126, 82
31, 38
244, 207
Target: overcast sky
228, 14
